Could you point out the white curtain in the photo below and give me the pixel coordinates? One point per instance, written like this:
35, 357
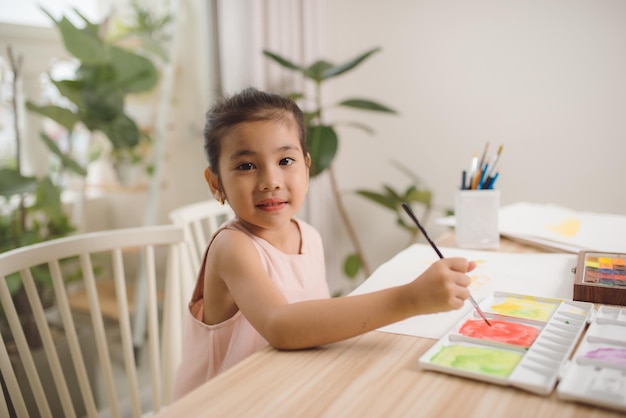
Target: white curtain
296, 29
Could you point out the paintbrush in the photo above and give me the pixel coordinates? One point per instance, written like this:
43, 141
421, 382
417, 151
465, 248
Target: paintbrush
409, 212
494, 163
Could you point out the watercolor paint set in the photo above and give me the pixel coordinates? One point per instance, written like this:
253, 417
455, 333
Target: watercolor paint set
529, 340
601, 278
529, 345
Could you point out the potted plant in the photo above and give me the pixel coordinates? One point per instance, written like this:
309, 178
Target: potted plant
95, 96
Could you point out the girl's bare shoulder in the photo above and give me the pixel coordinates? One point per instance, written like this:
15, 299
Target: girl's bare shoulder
231, 245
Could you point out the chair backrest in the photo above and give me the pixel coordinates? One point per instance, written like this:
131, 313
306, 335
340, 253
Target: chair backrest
199, 221
148, 254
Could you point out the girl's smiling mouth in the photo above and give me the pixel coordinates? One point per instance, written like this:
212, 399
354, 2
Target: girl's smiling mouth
271, 204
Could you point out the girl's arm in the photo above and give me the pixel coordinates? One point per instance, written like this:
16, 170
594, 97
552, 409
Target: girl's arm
442, 287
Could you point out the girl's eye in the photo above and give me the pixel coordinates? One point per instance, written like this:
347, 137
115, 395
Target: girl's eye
286, 161
245, 166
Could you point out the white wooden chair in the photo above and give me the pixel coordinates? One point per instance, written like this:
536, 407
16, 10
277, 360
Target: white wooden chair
199, 221
156, 251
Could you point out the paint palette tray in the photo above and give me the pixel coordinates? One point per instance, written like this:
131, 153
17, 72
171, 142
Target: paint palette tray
597, 372
530, 340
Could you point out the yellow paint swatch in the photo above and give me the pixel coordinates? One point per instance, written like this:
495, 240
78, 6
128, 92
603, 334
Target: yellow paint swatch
567, 228
525, 307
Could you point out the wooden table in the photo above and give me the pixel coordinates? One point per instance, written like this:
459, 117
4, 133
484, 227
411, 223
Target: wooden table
374, 375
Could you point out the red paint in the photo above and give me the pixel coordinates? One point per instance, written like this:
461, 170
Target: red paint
501, 331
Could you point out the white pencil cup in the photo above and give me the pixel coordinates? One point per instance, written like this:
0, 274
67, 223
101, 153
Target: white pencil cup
476, 218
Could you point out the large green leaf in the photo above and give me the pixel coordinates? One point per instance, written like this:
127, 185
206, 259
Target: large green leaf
93, 29
282, 61
84, 44
71, 90
322, 143
96, 76
384, 200
135, 73
48, 199
365, 104
416, 195
55, 223
12, 183
101, 106
393, 194
122, 132
347, 66
66, 161
317, 70
321, 70
61, 115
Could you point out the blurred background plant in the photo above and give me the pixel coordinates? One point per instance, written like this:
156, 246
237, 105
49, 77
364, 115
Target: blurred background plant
31, 209
112, 61
88, 106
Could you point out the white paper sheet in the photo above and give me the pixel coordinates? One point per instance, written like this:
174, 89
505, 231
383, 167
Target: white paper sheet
547, 275
560, 228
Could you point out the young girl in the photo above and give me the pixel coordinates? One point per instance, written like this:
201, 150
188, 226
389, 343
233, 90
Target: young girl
263, 278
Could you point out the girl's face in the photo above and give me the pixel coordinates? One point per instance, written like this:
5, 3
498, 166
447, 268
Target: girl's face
263, 173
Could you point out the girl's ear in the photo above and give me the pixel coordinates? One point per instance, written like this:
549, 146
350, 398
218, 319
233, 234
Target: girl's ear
213, 181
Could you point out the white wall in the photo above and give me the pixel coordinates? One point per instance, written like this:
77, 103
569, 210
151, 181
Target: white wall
545, 79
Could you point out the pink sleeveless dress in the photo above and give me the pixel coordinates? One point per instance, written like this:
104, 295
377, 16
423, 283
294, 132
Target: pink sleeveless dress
208, 350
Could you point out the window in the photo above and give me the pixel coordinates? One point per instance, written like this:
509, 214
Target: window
28, 12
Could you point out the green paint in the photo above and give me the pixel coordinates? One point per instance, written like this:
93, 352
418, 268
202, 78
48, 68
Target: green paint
481, 360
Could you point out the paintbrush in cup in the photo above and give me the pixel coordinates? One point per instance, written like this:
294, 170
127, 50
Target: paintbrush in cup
409, 212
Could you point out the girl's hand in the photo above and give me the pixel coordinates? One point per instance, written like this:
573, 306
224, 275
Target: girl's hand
443, 286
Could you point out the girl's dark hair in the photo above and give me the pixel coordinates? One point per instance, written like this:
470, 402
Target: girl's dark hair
250, 105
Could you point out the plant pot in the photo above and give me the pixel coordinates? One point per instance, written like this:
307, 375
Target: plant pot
129, 173
86, 341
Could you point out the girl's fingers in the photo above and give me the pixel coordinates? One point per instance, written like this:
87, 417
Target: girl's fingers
460, 264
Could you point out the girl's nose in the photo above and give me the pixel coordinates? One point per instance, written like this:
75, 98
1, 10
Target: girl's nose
270, 179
